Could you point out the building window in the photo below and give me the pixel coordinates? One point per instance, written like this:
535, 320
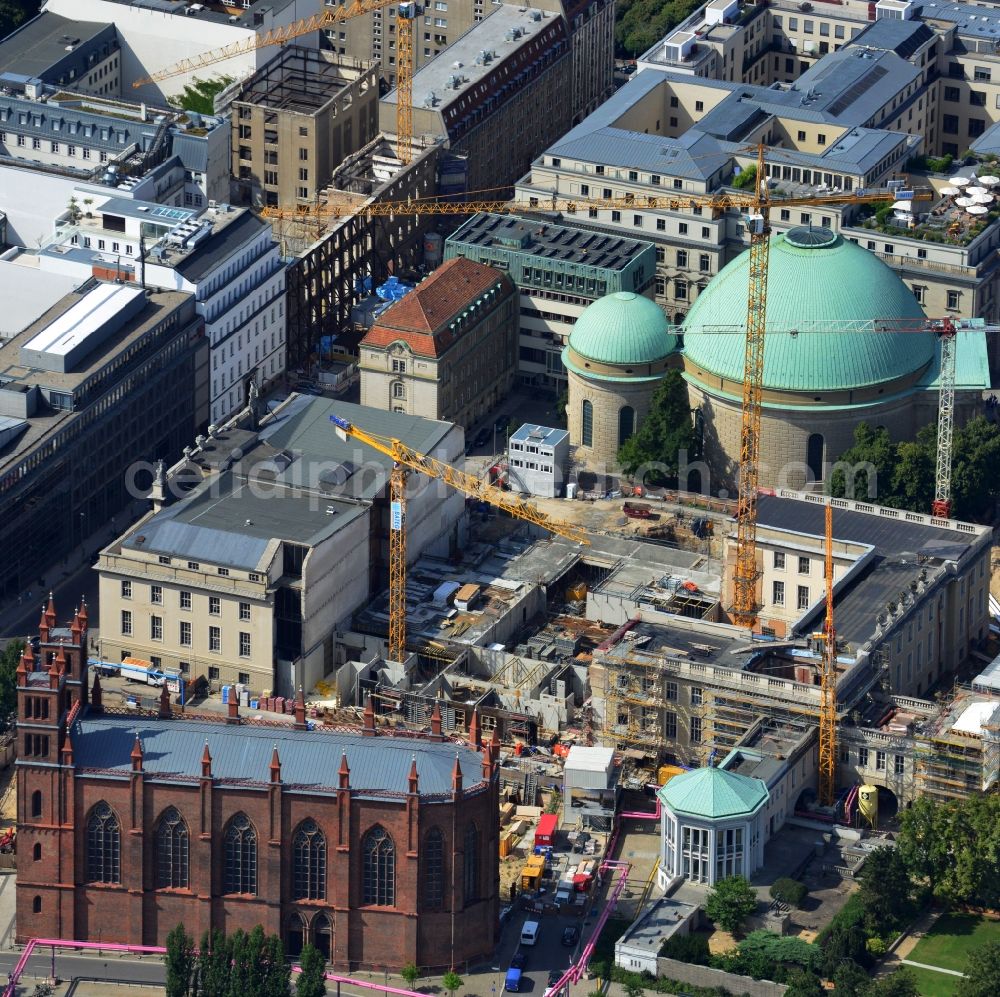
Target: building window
779, 560
704, 263
982, 74
213, 673
682, 258
243, 678
778, 593
626, 423
185, 600
399, 366
244, 644
670, 724
433, 869
803, 601
156, 628
185, 634
953, 300
223, 571
670, 691
214, 606
379, 871
863, 757
126, 590
240, 868
214, 639
880, 761
156, 595
803, 565
588, 424
171, 851
103, 846
696, 730
697, 696
36, 803
309, 862
398, 389
471, 864
898, 763
126, 623
244, 610
194, 566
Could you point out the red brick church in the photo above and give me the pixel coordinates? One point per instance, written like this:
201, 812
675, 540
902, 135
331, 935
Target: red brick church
381, 849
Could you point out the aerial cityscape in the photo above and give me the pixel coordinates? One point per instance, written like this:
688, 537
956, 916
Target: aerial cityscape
500, 498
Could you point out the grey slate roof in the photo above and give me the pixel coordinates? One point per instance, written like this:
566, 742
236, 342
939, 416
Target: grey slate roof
971, 19
39, 47
380, 766
220, 246
902, 37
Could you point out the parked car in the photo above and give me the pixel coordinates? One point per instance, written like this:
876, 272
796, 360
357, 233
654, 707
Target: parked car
570, 935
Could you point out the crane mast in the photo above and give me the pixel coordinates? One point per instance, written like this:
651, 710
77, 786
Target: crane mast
745, 578
828, 684
406, 459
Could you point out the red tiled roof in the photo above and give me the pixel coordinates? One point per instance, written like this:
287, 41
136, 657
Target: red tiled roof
421, 319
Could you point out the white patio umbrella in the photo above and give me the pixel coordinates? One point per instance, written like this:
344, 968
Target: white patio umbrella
977, 209
964, 202
903, 206
989, 181
975, 190
983, 198
959, 181
949, 191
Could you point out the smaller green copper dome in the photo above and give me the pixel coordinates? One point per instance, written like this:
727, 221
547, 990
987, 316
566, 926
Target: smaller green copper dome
713, 793
624, 329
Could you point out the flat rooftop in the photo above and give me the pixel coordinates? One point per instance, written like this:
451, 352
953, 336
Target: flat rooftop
547, 240
210, 10
505, 29
299, 80
27, 293
763, 752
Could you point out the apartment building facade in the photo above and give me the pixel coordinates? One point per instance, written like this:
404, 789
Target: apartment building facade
296, 120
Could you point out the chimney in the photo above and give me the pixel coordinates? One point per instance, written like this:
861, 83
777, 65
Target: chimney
233, 716
456, 778
414, 779
165, 712
344, 773
436, 720
275, 766
206, 763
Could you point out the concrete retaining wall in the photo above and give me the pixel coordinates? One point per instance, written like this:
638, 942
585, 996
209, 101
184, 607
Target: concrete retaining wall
705, 976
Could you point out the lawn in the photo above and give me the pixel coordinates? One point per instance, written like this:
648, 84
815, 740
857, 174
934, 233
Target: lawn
933, 984
952, 938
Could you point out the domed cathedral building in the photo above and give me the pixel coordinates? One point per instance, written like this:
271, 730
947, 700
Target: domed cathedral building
617, 354
817, 385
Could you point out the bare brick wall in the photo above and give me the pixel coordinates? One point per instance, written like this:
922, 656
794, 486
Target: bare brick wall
706, 976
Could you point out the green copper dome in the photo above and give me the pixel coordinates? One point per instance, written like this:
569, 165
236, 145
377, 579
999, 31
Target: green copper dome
813, 275
625, 329
713, 793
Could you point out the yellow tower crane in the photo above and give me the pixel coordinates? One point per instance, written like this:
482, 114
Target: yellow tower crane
757, 204
828, 685
407, 459
405, 20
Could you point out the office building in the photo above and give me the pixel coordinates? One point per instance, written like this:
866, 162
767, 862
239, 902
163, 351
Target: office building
108, 377
538, 460
225, 256
559, 270
245, 577
296, 120
447, 349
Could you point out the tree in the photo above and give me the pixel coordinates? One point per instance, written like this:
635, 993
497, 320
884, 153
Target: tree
745, 178
13, 13
641, 23
410, 973
633, 988
851, 980
885, 891
975, 484
213, 964
199, 95
730, 902
902, 983
180, 962
802, 983
277, 979
451, 981
867, 467
653, 452
10, 658
924, 840
982, 971
311, 982
789, 891
913, 479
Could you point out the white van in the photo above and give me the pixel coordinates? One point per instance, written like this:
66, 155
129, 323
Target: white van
529, 932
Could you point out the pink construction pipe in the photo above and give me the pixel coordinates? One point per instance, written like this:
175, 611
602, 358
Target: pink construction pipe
641, 815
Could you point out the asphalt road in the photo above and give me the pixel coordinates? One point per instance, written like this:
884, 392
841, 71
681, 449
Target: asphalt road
70, 966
